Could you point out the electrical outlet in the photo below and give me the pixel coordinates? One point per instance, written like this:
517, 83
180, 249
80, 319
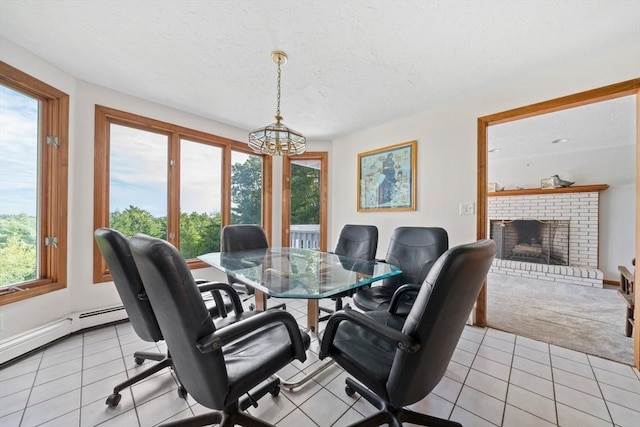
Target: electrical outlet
467, 208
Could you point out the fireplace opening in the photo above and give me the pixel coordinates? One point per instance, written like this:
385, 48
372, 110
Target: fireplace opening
532, 240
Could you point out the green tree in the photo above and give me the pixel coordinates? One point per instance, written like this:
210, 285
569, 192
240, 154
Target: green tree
135, 220
17, 261
305, 195
199, 234
22, 225
246, 191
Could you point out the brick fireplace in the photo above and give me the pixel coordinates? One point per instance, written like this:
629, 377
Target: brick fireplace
549, 234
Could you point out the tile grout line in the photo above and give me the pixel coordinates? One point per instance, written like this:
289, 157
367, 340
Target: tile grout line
506, 396
553, 387
484, 335
606, 405
26, 403
126, 371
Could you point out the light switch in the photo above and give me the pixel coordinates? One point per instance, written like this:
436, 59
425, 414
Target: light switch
467, 208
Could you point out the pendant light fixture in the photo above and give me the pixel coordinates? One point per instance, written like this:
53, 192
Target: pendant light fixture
276, 139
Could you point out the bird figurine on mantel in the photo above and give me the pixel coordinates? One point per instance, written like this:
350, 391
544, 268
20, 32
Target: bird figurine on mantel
562, 182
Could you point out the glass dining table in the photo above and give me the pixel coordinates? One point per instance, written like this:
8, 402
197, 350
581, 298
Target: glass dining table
299, 274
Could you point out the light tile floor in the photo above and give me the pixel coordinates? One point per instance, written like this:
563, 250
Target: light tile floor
494, 379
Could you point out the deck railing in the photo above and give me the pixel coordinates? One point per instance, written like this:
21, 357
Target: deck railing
305, 236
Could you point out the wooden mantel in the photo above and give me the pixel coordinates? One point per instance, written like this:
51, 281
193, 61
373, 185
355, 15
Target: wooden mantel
529, 191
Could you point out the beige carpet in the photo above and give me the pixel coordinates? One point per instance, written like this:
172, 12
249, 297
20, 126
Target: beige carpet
581, 318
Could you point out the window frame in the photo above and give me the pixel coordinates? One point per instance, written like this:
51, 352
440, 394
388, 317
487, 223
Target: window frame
53, 119
105, 116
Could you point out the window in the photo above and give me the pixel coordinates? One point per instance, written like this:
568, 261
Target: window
33, 186
246, 188
173, 183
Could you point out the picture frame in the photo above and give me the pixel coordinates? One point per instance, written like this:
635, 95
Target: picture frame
387, 178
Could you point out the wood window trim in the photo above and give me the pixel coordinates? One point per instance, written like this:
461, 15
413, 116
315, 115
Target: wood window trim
53, 182
323, 157
104, 116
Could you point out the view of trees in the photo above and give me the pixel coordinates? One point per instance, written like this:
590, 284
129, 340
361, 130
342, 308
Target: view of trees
305, 195
246, 192
199, 232
17, 248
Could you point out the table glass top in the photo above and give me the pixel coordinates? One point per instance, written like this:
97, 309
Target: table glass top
299, 273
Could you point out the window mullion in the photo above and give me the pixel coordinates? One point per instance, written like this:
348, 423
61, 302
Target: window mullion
47, 184
225, 218
173, 189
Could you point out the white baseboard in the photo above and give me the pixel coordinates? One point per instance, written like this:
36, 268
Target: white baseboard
17, 345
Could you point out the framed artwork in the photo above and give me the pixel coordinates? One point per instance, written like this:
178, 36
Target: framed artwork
387, 178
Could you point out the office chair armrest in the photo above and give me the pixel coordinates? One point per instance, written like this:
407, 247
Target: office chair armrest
239, 329
214, 288
402, 341
395, 299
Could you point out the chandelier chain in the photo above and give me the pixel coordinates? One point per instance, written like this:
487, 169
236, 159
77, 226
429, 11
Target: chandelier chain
278, 96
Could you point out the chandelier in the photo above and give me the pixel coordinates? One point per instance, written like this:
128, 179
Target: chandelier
276, 139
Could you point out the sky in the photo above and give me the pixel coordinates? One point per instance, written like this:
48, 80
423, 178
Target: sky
139, 162
18, 152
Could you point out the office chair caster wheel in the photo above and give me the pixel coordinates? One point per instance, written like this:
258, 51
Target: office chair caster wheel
182, 392
275, 391
113, 400
350, 392
138, 360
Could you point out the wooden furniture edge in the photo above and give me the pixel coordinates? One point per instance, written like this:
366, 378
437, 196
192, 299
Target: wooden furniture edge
530, 191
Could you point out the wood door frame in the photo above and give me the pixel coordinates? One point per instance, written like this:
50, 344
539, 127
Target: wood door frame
629, 87
323, 157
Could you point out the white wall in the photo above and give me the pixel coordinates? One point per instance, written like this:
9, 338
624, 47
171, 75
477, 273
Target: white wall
447, 143
446, 163
614, 166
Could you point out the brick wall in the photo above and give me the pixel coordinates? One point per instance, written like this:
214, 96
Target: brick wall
580, 209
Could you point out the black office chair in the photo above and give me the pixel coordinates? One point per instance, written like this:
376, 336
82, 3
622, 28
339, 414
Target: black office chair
400, 360
244, 237
114, 247
216, 366
414, 250
355, 241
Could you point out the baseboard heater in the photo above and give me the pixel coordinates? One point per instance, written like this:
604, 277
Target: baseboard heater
25, 342
99, 312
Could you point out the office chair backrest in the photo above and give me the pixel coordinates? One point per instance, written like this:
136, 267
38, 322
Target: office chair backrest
114, 247
414, 250
183, 318
358, 241
437, 319
243, 237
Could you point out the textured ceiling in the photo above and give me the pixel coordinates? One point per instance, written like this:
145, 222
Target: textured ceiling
352, 64
589, 127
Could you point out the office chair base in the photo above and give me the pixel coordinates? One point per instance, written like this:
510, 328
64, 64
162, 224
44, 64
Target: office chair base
140, 356
114, 398
164, 361
228, 417
271, 386
391, 415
